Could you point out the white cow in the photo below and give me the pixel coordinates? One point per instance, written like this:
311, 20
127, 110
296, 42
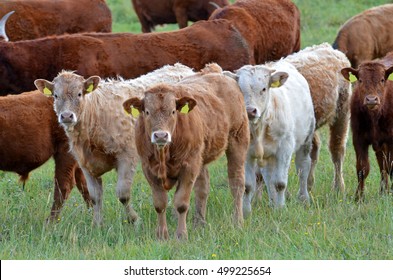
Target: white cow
281, 118
101, 135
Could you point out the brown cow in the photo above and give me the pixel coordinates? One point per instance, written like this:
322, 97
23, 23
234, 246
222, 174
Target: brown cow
29, 136
155, 12
367, 35
181, 129
270, 27
40, 18
371, 118
125, 54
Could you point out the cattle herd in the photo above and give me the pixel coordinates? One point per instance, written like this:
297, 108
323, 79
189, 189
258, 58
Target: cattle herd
233, 83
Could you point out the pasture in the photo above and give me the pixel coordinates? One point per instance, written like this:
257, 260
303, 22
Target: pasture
332, 227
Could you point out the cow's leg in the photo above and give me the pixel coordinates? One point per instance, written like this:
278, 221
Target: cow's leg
316, 145
182, 199
82, 185
180, 11
362, 166
125, 175
202, 189
303, 166
95, 190
250, 187
160, 201
338, 137
384, 162
64, 181
236, 157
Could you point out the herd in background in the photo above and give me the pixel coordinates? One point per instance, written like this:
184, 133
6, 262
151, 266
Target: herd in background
235, 82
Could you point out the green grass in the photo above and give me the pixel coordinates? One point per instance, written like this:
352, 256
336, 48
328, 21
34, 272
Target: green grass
332, 227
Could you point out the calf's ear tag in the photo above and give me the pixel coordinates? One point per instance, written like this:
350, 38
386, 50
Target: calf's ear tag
134, 112
275, 84
90, 88
47, 91
352, 77
390, 77
185, 109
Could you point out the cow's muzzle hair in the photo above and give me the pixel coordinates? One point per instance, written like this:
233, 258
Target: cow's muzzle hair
253, 113
161, 138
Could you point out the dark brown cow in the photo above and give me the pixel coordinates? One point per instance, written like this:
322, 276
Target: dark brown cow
125, 54
367, 35
155, 12
270, 27
29, 136
371, 118
181, 129
40, 18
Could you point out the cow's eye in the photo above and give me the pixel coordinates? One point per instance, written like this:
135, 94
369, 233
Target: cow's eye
360, 81
55, 96
147, 112
382, 80
79, 94
264, 89
173, 112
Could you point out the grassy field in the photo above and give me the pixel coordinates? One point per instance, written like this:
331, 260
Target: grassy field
332, 227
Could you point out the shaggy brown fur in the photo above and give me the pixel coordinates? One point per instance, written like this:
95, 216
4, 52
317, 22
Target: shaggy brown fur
371, 120
270, 27
125, 54
40, 18
29, 136
217, 123
155, 12
367, 35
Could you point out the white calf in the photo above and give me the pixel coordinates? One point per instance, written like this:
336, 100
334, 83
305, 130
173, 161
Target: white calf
282, 122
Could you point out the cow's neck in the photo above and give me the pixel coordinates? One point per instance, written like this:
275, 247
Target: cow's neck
161, 155
256, 147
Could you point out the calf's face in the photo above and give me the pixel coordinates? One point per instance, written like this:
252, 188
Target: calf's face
370, 80
255, 83
159, 109
68, 91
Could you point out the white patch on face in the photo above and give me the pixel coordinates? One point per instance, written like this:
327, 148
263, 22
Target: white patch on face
161, 138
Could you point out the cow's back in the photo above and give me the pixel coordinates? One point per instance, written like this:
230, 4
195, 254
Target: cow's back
37, 18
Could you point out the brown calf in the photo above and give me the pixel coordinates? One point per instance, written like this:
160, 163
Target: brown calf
29, 136
155, 12
270, 27
40, 18
371, 119
181, 129
367, 35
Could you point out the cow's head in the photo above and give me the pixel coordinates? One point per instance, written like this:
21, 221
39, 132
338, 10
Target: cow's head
159, 110
255, 83
68, 90
370, 80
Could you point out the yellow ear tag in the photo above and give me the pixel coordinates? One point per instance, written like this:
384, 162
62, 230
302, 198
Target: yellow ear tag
275, 84
90, 88
390, 77
134, 112
185, 109
352, 77
47, 91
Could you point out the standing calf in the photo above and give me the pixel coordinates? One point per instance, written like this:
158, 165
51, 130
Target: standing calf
29, 136
101, 136
282, 122
181, 129
371, 118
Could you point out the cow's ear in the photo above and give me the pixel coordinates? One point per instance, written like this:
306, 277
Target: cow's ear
44, 86
389, 73
185, 104
350, 74
134, 106
91, 84
278, 79
231, 75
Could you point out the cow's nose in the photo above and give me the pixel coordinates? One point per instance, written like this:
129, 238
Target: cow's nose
66, 117
251, 112
372, 100
161, 137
